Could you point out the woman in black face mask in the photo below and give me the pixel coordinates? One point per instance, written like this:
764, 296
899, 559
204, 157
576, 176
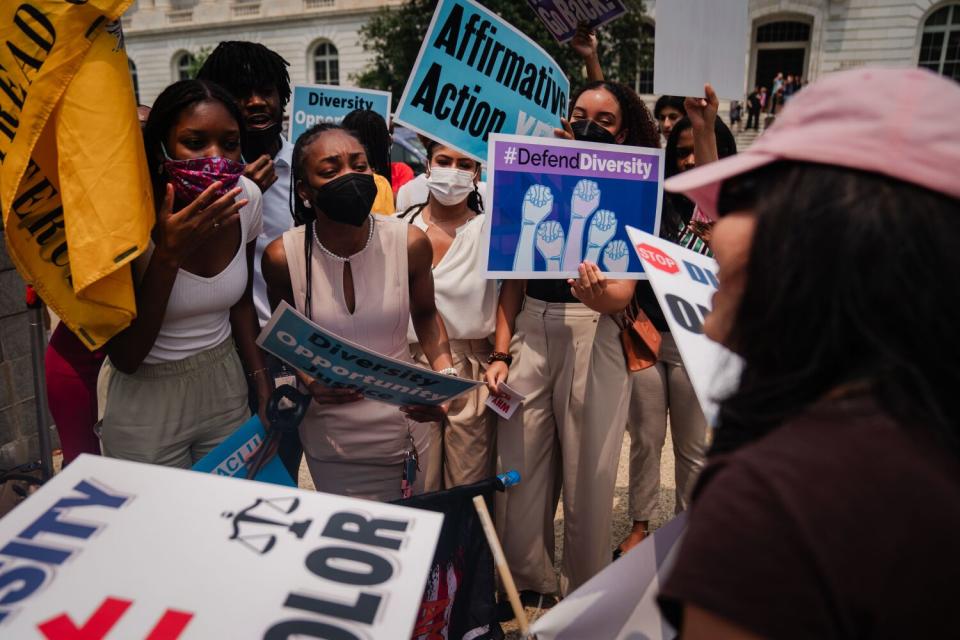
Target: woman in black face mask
362, 277
565, 356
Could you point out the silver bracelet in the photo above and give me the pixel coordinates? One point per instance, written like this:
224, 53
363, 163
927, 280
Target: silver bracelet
449, 371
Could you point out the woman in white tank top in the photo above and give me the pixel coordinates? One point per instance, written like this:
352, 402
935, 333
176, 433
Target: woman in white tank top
176, 385
362, 277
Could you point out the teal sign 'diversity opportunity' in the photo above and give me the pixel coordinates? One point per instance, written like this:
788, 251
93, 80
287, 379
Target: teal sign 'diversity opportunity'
316, 103
477, 75
339, 363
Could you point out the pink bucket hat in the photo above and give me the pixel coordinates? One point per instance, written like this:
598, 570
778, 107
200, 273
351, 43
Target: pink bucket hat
903, 123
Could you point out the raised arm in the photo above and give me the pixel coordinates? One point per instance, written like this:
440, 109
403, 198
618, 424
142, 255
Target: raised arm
584, 43
703, 117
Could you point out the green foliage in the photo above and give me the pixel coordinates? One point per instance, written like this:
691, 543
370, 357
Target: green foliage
197, 59
394, 35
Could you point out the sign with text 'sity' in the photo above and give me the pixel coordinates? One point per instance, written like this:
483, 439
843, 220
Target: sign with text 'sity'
116, 549
556, 203
339, 363
562, 17
684, 282
322, 103
477, 75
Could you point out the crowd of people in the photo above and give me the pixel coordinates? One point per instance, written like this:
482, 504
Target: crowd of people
827, 292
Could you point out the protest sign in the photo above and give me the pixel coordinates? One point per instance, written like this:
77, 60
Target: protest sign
316, 103
562, 17
507, 403
111, 548
340, 363
477, 75
684, 282
700, 41
619, 603
230, 457
556, 203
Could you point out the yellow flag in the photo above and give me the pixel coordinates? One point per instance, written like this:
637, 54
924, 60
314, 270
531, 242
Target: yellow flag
76, 198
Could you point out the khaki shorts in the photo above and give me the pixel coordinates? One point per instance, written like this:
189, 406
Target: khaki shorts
174, 413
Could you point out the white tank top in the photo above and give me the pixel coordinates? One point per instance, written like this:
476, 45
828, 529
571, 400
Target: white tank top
466, 300
198, 310
367, 431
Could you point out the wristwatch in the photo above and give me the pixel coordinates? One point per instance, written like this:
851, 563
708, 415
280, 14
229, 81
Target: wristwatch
500, 356
449, 371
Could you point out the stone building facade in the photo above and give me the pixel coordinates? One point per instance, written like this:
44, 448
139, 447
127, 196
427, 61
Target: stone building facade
320, 37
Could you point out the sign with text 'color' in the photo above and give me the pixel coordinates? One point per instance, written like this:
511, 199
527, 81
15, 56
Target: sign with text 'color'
116, 549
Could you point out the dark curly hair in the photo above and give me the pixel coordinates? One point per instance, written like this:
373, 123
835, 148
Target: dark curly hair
639, 124
242, 67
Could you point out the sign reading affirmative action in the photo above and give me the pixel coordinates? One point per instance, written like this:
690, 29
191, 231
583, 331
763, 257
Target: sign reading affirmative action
321, 103
555, 203
684, 282
477, 75
339, 363
117, 549
562, 17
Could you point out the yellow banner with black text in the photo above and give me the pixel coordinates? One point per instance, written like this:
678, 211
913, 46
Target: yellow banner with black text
76, 197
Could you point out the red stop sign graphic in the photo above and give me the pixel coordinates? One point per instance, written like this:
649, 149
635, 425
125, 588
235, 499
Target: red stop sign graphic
657, 258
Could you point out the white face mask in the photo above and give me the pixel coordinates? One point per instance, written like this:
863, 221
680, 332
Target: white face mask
450, 186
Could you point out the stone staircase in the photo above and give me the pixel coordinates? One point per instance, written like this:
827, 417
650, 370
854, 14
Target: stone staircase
745, 138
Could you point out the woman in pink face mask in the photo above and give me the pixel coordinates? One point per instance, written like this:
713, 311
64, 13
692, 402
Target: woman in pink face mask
177, 386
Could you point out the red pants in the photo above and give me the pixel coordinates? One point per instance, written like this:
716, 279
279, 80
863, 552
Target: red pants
72, 372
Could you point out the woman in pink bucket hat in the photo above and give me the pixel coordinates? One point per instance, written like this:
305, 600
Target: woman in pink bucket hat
830, 506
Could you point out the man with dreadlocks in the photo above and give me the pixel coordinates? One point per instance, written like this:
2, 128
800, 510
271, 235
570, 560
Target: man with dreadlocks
258, 78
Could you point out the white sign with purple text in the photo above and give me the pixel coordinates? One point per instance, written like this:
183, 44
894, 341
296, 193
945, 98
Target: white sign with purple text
556, 203
684, 282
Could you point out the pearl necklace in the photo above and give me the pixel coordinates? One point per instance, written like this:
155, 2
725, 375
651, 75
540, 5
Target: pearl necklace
332, 255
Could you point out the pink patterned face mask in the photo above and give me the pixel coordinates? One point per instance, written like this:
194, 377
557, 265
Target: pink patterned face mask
191, 177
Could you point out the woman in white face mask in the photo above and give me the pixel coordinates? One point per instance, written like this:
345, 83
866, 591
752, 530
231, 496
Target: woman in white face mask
468, 304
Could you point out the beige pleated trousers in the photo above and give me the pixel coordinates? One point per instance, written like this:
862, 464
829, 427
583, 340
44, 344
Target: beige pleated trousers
464, 448
567, 364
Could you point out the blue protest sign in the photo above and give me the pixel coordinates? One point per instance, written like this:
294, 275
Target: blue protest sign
230, 457
477, 75
561, 17
315, 103
339, 363
553, 204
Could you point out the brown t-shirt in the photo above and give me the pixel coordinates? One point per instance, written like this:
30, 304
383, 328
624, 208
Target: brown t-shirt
839, 524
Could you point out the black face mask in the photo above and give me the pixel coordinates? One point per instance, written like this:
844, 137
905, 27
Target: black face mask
257, 142
590, 131
347, 199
